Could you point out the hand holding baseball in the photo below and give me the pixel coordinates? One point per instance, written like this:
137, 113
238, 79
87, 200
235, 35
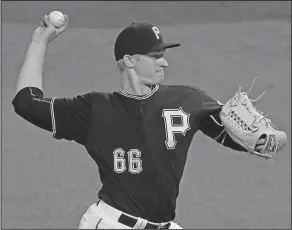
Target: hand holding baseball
57, 18
50, 29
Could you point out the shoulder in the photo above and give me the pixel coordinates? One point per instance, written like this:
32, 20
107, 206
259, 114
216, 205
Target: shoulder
193, 93
102, 97
86, 99
98, 95
182, 89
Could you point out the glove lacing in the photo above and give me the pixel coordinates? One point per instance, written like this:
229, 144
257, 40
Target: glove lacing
257, 113
251, 109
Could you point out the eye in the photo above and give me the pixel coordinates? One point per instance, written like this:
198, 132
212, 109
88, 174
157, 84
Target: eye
156, 55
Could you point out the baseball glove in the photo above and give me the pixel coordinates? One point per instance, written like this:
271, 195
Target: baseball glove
246, 125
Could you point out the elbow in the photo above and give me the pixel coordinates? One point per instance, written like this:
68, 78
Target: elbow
23, 100
21, 106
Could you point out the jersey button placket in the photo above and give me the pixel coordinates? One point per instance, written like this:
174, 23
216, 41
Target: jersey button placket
149, 122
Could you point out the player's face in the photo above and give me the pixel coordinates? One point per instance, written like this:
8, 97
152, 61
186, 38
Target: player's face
150, 68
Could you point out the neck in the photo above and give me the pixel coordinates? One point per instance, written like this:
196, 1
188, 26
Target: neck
131, 84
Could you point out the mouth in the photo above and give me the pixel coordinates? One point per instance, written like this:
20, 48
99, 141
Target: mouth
160, 70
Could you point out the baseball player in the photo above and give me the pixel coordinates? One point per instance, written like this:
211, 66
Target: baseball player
138, 136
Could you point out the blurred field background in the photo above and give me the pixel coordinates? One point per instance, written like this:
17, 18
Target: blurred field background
48, 184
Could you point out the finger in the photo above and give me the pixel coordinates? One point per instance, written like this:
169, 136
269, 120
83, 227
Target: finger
64, 27
47, 22
42, 23
259, 148
37, 30
261, 141
66, 20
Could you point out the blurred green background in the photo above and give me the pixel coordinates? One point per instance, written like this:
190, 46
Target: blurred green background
49, 184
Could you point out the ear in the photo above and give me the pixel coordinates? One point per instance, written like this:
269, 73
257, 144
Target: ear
129, 61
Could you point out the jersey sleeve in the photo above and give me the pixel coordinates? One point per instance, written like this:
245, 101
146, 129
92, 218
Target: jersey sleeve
211, 125
71, 117
67, 118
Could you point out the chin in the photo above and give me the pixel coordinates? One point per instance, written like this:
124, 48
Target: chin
158, 81
154, 83
159, 78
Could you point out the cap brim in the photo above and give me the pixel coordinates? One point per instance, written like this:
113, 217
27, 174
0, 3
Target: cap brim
163, 46
170, 45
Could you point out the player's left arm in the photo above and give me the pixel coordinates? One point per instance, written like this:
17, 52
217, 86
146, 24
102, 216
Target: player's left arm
211, 125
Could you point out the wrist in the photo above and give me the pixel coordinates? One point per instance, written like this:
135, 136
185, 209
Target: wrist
36, 48
38, 43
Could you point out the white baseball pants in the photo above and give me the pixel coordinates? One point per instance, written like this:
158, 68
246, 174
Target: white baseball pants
103, 216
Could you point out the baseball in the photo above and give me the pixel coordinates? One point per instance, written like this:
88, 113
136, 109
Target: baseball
57, 18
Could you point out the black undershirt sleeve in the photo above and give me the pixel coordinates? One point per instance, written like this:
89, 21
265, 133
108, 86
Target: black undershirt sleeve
211, 124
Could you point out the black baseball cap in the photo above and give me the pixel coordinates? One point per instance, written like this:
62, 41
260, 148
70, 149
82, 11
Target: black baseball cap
140, 38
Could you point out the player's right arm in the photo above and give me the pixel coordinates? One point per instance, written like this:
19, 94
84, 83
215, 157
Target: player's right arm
67, 118
30, 74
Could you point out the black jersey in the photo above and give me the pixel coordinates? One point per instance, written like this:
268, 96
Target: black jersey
140, 143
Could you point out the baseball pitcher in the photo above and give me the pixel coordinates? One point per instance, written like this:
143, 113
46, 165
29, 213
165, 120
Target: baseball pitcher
139, 136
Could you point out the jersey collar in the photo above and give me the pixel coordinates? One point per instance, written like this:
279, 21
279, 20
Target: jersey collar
137, 97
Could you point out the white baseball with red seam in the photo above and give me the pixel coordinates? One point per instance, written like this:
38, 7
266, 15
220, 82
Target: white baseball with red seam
57, 18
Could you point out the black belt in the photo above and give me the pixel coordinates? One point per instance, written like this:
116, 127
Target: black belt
131, 222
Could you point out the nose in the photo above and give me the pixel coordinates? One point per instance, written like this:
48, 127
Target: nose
163, 62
